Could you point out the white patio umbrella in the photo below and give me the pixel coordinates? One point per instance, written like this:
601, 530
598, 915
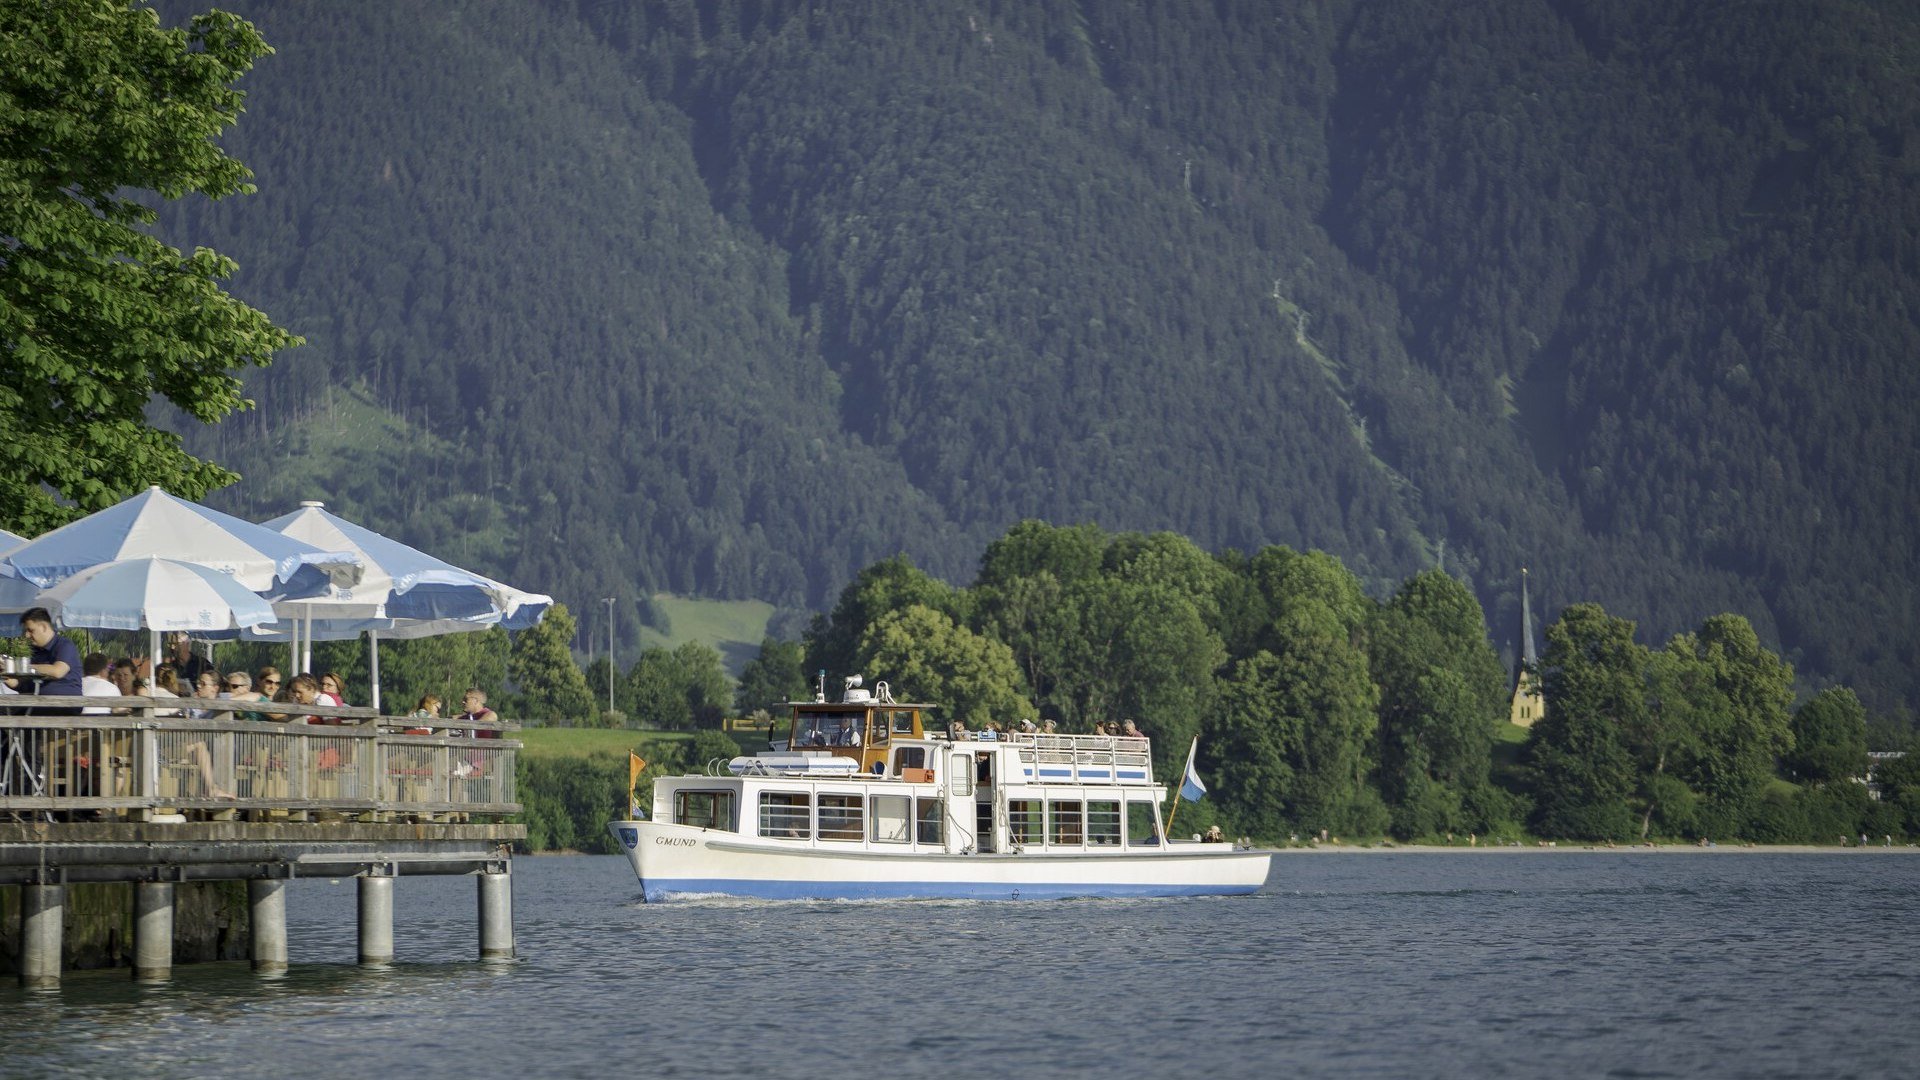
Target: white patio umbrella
154, 523
155, 594
403, 593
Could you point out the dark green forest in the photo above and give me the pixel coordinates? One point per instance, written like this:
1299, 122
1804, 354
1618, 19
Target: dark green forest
737, 299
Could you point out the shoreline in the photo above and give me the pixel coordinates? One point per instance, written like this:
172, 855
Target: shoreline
1624, 849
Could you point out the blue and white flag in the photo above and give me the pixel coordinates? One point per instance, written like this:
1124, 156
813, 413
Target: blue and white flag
1190, 787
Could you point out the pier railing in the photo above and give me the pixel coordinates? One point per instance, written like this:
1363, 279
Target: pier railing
260, 760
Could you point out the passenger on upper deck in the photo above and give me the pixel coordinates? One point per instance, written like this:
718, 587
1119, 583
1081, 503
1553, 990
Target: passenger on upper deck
1128, 730
957, 730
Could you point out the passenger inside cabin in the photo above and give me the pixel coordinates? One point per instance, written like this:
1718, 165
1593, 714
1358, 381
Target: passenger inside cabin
848, 735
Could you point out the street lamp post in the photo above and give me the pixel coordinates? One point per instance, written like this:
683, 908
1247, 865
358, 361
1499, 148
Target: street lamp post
610, 667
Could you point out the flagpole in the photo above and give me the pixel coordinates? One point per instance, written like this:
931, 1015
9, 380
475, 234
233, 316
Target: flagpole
1176, 791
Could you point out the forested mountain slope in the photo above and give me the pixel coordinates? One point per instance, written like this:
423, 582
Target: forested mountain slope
736, 298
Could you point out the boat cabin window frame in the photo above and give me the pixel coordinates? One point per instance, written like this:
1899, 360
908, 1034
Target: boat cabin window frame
1142, 822
717, 813
909, 757
781, 817
1027, 822
890, 819
822, 730
840, 816
899, 721
1066, 823
930, 820
1104, 823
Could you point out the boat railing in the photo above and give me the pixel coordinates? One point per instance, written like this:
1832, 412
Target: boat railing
152, 761
1095, 759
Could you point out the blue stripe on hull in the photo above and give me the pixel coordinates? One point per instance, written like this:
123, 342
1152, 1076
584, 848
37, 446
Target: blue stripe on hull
659, 890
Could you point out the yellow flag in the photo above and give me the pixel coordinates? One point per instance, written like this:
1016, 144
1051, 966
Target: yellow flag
635, 763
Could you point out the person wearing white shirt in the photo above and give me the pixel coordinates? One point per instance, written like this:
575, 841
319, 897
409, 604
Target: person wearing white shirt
94, 682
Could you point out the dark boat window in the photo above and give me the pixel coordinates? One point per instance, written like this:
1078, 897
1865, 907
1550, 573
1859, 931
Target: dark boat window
1065, 819
704, 809
909, 757
1025, 821
1103, 823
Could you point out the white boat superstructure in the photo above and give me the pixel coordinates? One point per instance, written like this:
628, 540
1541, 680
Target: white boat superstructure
865, 802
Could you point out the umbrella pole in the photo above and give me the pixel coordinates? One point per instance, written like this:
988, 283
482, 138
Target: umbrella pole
373, 643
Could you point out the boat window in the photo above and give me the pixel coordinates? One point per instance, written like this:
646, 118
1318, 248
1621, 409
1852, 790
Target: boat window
900, 720
786, 815
909, 757
1064, 816
828, 728
1142, 818
1103, 823
877, 730
841, 817
704, 809
889, 813
1026, 821
927, 823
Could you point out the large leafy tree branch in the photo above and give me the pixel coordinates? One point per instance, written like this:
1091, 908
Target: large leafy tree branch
102, 109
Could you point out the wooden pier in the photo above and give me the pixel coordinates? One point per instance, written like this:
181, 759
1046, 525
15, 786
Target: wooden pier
169, 801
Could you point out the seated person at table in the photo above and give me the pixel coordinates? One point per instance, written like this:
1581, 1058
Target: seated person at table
333, 686
55, 660
94, 682
206, 687
186, 662
427, 709
475, 704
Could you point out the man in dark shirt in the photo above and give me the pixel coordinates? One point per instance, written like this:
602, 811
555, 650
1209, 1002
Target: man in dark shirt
186, 663
55, 660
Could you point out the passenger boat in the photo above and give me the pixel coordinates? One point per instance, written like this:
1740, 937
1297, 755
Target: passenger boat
862, 800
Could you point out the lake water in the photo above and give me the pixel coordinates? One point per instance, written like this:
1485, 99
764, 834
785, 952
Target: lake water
1726, 964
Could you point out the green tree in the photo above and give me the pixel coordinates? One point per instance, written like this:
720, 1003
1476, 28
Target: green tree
1829, 738
551, 686
678, 689
1442, 694
777, 674
894, 584
104, 109
1594, 679
1742, 740
926, 656
445, 666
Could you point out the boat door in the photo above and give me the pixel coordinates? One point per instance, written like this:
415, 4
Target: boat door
961, 800
984, 787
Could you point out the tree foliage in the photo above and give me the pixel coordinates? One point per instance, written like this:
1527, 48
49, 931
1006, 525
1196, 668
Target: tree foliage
102, 112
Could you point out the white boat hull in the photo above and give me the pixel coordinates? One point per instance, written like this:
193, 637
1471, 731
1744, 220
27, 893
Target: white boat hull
680, 860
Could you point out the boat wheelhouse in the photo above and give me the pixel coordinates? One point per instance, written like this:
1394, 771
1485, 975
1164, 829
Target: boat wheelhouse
864, 800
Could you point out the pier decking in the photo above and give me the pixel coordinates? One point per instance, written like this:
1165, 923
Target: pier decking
160, 800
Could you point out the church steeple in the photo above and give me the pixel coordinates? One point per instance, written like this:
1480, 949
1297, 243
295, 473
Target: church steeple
1529, 704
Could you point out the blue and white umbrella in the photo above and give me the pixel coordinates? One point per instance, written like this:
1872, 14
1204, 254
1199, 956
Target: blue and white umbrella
398, 582
155, 594
16, 594
404, 593
154, 523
